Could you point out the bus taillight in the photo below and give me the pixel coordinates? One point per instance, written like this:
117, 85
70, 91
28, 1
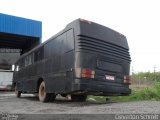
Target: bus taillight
127, 79
87, 73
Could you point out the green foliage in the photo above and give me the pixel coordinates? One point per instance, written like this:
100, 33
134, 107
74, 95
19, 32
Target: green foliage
145, 76
146, 87
100, 99
151, 93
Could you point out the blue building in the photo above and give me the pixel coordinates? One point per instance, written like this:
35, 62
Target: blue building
17, 36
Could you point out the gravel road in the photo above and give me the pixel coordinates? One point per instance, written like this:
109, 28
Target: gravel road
29, 104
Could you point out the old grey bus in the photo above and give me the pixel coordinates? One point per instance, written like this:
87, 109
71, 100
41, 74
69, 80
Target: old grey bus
85, 58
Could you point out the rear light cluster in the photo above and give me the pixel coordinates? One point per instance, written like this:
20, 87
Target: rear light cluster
87, 73
127, 79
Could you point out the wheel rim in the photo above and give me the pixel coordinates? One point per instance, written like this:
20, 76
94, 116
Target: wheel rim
42, 91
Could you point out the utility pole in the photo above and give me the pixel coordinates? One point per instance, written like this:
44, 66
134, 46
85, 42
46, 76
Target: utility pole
154, 71
154, 68
132, 70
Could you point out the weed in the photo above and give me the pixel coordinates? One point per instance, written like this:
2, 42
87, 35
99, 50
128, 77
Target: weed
149, 93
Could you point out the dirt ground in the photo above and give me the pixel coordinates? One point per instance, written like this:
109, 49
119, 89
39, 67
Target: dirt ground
29, 104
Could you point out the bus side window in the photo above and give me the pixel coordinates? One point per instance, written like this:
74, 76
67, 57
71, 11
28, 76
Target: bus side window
59, 44
69, 42
29, 59
21, 63
26, 61
16, 68
38, 55
32, 58
47, 50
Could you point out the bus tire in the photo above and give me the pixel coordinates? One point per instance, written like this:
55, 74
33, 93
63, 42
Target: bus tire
78, 98
43, 96
18, 93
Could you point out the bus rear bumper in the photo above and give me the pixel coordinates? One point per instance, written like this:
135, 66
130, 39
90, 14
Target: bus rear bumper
101, 89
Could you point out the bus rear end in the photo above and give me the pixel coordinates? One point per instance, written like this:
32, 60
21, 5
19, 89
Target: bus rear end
102, 61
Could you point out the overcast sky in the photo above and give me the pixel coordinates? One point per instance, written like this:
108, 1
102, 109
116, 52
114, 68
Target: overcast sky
138, 20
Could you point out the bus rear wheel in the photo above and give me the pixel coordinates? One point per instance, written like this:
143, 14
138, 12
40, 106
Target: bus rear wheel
43, 96
78, 98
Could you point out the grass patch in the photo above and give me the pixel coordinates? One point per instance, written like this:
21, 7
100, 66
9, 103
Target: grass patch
149, 93
96, 98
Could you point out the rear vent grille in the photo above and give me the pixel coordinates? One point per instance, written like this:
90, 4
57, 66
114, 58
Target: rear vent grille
102, 47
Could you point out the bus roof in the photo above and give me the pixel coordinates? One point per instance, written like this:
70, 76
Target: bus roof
88, 28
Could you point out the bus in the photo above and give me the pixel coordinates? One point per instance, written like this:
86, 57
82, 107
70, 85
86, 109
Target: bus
85, 58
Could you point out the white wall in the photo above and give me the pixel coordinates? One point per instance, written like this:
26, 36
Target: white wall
6, 78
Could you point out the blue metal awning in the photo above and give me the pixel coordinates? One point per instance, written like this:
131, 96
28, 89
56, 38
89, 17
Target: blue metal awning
19, 33
20, 26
